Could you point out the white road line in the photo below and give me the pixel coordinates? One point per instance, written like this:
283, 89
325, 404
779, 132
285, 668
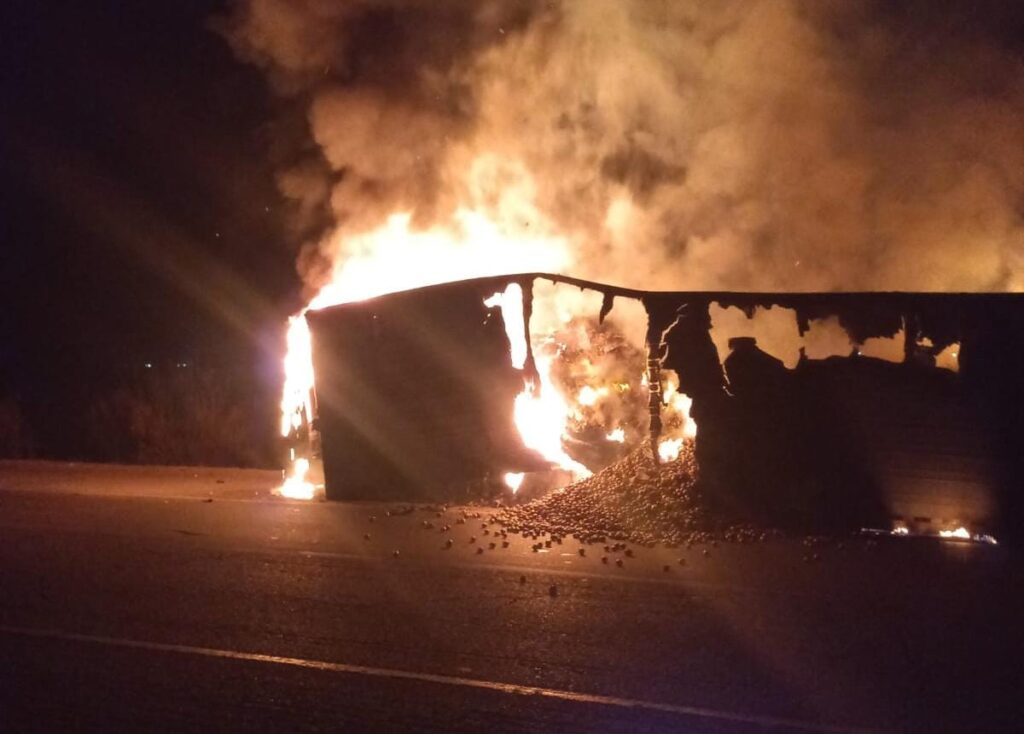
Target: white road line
448, 680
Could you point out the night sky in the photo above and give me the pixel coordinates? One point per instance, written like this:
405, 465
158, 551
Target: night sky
140, 219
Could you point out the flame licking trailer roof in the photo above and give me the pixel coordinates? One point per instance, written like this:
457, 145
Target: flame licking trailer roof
415, 396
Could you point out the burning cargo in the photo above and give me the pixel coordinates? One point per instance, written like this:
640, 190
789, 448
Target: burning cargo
878, 410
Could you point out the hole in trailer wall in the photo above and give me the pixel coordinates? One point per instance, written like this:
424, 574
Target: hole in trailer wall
597, 365
594, 346
774, 329
775, 332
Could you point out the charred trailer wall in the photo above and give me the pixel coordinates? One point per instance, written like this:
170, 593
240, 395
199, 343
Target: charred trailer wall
848, 442
415, 394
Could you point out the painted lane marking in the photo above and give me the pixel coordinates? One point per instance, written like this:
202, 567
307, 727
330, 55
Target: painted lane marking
448, 680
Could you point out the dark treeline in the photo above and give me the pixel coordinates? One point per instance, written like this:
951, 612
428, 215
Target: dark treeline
170, 412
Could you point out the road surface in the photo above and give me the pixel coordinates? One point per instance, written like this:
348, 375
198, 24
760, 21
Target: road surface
179, 599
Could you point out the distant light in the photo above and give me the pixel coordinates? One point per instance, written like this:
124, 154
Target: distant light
148, 365
901, 530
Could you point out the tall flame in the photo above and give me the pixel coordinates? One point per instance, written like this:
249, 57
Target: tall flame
496, 238
676, 413
541, 412
478, 242
511, 304
298, 375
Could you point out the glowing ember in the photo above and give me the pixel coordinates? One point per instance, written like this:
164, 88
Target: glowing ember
669, 449
617, 435
960, 533
949, 358
589, 395
514, 480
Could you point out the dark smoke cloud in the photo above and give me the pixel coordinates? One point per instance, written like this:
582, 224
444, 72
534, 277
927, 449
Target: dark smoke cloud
762, 144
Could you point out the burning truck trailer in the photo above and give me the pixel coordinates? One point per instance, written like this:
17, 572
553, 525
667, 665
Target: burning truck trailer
909, 424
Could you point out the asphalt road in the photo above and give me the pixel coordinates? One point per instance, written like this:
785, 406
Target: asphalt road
175, 599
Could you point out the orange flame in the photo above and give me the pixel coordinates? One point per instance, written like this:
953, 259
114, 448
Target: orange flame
514, 480
505, 235
296, 486
477, 243
541, 412
676, 413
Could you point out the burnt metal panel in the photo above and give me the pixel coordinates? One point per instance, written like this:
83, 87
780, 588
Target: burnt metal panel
415, 393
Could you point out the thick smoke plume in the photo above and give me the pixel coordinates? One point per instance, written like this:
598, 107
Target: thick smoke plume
760, 144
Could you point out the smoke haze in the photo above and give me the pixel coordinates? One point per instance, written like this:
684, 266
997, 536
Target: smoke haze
764, 144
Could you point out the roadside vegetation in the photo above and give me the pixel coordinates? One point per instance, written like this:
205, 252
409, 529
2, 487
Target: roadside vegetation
170, 415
